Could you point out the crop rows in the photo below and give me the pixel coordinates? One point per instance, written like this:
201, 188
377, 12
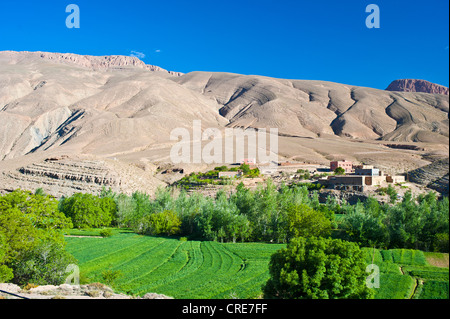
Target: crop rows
405, 273
205, 269
433, 290
191, 269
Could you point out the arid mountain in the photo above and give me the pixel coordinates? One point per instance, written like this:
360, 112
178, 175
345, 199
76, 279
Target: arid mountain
411, 85
98, 110
86, 61
317, 109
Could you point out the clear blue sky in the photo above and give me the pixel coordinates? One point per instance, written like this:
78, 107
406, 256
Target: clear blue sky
295, 39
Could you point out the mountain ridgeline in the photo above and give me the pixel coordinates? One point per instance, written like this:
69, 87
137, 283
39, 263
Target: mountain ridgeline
118, 107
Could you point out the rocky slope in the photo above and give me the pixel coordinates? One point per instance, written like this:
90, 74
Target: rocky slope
63, 176
411, 85
115, 62
117, 110
434, 176
314, 109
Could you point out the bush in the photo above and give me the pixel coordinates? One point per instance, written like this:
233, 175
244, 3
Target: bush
318, 268
106, 232
392, 194
166, 222
441, 243
110, 276
6, 273
31, 241
44, 265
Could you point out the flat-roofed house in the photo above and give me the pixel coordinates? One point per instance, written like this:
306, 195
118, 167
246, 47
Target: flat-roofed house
367, 171
249, 161
347, 182
346, 165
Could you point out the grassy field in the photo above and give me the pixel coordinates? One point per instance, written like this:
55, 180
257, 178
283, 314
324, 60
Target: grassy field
207, 270
181, 269
408, 274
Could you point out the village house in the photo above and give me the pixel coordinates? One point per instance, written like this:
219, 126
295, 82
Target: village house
363, 177
346, 165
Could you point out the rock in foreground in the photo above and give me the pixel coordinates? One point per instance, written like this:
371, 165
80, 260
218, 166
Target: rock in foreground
90, 291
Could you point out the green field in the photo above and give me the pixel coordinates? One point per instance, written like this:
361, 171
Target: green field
181, 269
206, 269
406, 274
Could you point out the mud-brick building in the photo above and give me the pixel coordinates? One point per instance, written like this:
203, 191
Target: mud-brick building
346, 165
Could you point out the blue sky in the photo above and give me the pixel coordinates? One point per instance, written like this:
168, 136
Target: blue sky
295, 39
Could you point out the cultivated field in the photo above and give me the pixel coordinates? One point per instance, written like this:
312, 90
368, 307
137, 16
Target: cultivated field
180, 269
406, 274
205, 269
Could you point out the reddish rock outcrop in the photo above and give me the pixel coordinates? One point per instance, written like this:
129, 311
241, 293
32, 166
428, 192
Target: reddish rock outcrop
86, 61
411, 85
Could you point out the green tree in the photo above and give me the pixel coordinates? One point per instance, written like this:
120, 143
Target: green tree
6, 273
303, 221
86, 210
365, 228
40, 191
31, 241
245, 168
126, 208
45, 264
166, 222
339, 171
317, 268
392, 194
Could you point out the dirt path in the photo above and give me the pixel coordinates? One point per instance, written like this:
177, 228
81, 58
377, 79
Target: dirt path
74, 236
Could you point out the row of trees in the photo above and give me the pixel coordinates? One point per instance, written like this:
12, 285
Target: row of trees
268, 214
265, 214
416, 223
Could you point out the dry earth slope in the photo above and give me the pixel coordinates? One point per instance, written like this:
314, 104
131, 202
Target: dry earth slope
106, 112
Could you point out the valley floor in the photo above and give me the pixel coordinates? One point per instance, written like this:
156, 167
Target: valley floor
213, 270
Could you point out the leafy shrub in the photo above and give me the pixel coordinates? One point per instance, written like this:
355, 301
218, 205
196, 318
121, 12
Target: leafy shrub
110, 276
315, 268
166, 222
106, 232
441, 243
43, 265
31, 240
30, 286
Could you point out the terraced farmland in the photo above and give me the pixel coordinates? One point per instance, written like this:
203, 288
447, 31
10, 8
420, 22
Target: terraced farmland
406, 274
206, 270
190, 269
